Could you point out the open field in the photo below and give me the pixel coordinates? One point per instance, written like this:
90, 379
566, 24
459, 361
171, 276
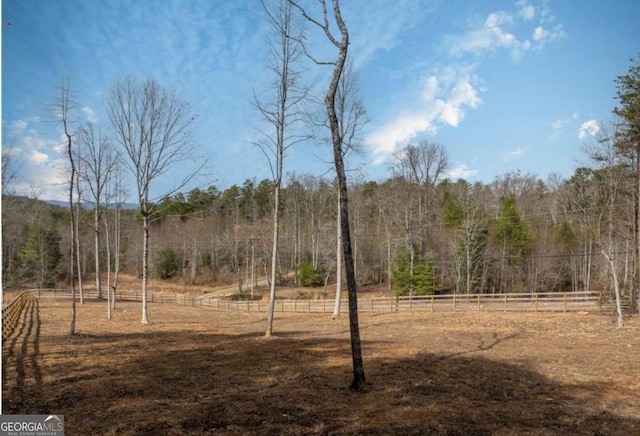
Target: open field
201, 371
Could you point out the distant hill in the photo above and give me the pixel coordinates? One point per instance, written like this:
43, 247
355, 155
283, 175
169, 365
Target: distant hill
87, 205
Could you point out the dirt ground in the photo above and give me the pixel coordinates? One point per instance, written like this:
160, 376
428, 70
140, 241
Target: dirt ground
200, 371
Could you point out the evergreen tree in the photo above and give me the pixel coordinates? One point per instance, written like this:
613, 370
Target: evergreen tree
512, 238
408, 281
41, 255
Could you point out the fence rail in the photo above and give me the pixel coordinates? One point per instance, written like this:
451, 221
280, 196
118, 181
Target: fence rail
522, 302
11, 313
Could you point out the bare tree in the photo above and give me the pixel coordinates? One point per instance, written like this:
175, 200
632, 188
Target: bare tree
608, 182
423, 164
114, 194
342, 44
281, 112
419, 167
352, 117
154, 127
79, 198
10, 167
63, 106
97, 162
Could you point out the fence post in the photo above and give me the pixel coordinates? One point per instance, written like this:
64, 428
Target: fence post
564, 303
410, 302
536, 303
454, 303
478, 302
432, 301
505, 302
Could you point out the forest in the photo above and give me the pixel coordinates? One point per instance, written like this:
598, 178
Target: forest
412, 232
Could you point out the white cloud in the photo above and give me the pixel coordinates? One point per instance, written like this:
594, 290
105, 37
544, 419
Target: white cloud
19, 124
559, 123
365, 31
539, 33
526, 11
443, 98
589, 128
499, 31
489, 36
460, 171
37, 158
89, 114
515, 154
542, 36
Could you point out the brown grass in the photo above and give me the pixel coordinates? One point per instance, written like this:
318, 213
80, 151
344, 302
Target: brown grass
198, 371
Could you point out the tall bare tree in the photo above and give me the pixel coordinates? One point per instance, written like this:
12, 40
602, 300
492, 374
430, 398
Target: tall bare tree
114, 195
352, 117
63, 107
154, 127
97, 163
608, 179
341, 42
281, 112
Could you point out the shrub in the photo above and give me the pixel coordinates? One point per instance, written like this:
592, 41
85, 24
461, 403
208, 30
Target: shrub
308, 275
168, 263
420, 282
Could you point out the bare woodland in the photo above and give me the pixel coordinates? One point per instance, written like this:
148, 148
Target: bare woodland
415, 232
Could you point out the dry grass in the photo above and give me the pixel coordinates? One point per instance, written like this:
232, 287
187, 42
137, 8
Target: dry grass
198, 371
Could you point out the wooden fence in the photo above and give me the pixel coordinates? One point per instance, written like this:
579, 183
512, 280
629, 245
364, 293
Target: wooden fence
11, 313
522, 302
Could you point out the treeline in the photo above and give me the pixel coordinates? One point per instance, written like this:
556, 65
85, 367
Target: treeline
416, 232
411, 233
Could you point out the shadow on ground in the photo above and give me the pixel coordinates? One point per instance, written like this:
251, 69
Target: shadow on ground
198, 383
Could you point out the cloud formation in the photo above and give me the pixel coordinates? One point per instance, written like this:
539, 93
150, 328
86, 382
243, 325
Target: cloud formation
37, 157
515, 154
443, 98
559, 124
589, 129
460, 171
445, 94
498, 31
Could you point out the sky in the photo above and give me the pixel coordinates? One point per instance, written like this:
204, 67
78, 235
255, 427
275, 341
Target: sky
504, 85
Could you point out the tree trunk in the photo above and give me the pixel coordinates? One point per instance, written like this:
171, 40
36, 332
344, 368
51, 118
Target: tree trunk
116, 248
108, 248
96, 226
78, 254
338, 299
356, 347
616, 288
274, 263
145, 267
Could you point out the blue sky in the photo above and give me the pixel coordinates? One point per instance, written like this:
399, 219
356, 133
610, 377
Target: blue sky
503, 85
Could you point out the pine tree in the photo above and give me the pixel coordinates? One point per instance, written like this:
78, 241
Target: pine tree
41, 255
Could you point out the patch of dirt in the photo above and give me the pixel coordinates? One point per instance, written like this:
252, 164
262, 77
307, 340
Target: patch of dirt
200, 371
127, 282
